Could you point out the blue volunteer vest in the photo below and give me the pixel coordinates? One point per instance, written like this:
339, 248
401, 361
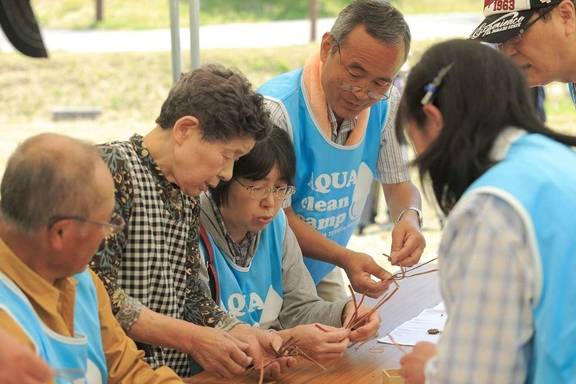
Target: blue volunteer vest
82, 356
538, 178
332, 181
254, 294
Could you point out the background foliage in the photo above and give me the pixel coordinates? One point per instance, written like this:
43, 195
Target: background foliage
143, 14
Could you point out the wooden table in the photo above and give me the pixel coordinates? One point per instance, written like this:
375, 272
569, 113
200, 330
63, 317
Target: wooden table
362, 366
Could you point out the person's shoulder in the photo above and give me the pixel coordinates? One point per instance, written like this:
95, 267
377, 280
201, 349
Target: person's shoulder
483, 208
386, 109
395, 95
282, 86
117, 155
113, 149
393, 101
272, 103
101, 292
285, 76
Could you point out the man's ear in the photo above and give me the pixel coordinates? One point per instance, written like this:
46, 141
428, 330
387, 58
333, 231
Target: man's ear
326, 46
58, 233
568, 16
434, 120
184, 128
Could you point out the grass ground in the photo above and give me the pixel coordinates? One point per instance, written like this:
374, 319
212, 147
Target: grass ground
127, 86
130, 87
143, 14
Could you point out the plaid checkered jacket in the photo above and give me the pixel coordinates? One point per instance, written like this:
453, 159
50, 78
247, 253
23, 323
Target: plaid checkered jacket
155, 261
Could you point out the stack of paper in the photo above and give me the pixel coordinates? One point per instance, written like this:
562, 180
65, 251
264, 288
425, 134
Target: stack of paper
416, 329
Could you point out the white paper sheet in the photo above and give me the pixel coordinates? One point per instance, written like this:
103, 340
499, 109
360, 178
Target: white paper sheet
416, 329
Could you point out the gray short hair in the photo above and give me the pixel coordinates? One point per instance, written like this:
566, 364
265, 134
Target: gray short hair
222, 99
46, 176
381, 20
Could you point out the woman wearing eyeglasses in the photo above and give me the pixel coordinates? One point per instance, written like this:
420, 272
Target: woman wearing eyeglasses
508, 186
261, 278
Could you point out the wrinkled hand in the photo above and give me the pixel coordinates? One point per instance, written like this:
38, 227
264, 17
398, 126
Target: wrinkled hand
366, 330
261, 347
322, 344
407, 244
218, 351
413, 363
20, 365
360, 267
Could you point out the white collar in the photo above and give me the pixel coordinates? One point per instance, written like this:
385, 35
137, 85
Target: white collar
504, 141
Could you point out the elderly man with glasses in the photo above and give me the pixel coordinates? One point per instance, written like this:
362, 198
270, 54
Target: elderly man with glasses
56, 207
539, 35
339, 112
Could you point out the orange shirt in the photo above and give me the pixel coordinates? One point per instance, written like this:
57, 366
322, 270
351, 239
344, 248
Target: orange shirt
54, 304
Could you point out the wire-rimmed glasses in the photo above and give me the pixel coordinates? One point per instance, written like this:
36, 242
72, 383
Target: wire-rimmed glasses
374, 95
259, 193
112, 228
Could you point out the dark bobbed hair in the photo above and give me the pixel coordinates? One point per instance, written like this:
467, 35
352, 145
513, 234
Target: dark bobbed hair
482, 94
222, 100
276, 149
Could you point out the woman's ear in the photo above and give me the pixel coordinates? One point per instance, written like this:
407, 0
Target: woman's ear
184, 128
434, 120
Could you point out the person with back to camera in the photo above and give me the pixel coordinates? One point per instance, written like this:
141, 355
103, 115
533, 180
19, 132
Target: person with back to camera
508, 186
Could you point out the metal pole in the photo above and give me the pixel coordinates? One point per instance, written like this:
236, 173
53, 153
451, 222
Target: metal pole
194, 33
175, 39
99, 10
313, 11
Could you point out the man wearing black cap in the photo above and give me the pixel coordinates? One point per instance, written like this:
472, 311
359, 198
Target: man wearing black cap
539, 35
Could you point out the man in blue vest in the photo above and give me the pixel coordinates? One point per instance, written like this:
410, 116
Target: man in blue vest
18, 364
56, 204
339, 112
539, 35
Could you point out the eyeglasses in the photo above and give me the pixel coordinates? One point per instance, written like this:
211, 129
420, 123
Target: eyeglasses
516, 39
112, 228
259, 193
374, 95
375, 92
